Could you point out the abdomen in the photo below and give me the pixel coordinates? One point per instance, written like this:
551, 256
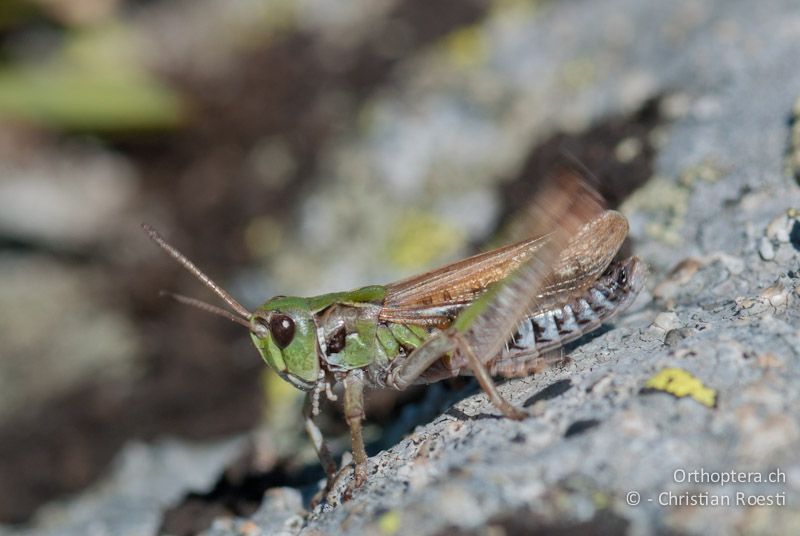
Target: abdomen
550, 329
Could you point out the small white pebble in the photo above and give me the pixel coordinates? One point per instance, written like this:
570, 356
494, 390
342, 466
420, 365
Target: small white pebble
766, 249
666, 321
777, 295
780, 227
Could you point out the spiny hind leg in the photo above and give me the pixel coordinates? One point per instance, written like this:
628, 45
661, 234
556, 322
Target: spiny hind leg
485, 380
438, 346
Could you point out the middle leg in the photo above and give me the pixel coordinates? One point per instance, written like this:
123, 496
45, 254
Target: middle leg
354, 414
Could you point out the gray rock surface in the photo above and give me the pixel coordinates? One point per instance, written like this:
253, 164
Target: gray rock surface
281, 513
144, 481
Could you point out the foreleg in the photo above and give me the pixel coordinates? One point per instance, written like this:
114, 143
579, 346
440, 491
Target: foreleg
323, 452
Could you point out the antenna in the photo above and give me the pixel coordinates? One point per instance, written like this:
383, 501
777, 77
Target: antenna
207, 307
207, 281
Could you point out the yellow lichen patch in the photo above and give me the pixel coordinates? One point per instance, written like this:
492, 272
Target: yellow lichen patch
578, 73
389, 523
680, 383
707, 170
466, 47
665, 204
420, 239
601, 500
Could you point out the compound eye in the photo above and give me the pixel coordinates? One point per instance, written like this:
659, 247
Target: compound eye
282, 329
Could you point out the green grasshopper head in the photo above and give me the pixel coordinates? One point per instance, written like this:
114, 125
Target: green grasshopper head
285, 335
283, 329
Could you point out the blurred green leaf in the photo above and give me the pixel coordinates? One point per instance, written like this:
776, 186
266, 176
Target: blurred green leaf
95, 83
73, 100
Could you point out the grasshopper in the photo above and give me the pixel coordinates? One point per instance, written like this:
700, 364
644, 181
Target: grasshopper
493, 314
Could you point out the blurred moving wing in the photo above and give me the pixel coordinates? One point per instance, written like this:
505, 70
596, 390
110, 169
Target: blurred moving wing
439, 295
567, 210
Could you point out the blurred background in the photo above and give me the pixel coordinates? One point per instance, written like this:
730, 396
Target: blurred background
286, 147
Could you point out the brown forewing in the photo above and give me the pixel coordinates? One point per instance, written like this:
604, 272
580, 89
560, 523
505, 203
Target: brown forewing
438, 295
455, 284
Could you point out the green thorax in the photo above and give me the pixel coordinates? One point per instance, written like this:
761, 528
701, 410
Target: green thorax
341, 329
348, 323
297, 357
